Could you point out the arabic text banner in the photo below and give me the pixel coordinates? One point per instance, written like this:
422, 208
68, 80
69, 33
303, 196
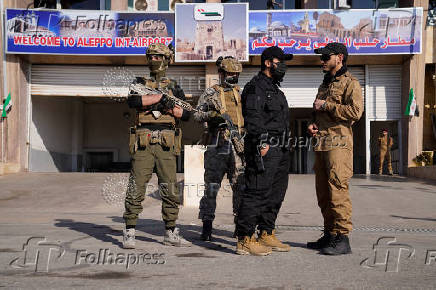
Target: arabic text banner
85, 32
383, 31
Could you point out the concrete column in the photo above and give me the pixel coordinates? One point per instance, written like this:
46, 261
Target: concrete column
413, 71
119, 5
13, 129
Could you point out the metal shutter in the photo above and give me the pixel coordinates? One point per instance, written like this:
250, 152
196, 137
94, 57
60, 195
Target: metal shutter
300, 84
384, 92
86, 81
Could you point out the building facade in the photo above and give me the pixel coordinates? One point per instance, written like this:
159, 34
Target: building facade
61, 121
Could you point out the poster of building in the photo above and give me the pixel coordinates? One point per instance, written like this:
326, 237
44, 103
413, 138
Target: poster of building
205, 32
86, 32
383, 31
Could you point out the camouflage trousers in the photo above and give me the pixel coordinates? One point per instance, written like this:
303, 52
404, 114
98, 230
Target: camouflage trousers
218, 161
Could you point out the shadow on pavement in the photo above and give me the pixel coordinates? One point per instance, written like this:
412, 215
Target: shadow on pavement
414, 218
189, 232
394, 178
295, 245
100, 232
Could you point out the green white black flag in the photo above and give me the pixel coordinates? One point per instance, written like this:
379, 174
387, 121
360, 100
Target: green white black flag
411, 105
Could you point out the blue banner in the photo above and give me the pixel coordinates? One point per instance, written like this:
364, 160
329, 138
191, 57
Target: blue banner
383, 31
86, 32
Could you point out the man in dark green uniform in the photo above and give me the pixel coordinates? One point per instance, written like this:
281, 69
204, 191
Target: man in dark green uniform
154, 143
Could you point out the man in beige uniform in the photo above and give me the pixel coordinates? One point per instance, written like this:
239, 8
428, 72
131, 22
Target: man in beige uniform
338, 104
385, 143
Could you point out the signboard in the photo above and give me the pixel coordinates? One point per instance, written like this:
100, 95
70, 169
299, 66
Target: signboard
383, 31
205, 32
86, 32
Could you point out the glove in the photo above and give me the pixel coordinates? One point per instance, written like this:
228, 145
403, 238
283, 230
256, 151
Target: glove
216, 120
134, 101
167, 103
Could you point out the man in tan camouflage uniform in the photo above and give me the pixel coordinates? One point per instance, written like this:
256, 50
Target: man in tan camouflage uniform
222, 155
338, 104
155, 141
385, 143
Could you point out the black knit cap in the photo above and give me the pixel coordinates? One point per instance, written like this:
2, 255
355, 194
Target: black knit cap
275, 51
333, 48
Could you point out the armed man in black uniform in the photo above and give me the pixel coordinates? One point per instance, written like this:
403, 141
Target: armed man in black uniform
266, 119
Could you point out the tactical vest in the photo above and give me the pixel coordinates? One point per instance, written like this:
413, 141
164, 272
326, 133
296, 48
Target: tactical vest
144, 117
231, 104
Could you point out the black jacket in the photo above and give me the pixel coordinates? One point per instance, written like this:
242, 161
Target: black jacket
265, 110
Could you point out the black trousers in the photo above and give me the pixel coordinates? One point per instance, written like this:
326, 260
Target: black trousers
264, 192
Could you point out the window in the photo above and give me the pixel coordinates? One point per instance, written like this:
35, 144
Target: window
73, 4
355, 4
49, 4
363, 4
262, 4
324, 4
83, 4
162, 5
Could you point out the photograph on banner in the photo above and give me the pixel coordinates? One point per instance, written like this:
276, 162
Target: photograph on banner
86, 32
205, 32
389, 31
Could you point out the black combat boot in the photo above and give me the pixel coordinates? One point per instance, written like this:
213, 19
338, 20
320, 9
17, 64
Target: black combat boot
320, 243
206, 235
338, 245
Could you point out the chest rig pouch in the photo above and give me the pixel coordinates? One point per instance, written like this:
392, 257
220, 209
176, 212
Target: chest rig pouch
230, 104
150, 117
143, 137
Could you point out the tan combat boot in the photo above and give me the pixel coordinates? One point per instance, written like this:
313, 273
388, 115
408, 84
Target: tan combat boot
250, 246
272, 242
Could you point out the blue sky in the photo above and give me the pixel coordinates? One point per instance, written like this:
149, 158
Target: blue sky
259, 19
349, 19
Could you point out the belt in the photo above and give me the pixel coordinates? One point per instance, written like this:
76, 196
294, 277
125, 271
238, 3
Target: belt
154, 127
